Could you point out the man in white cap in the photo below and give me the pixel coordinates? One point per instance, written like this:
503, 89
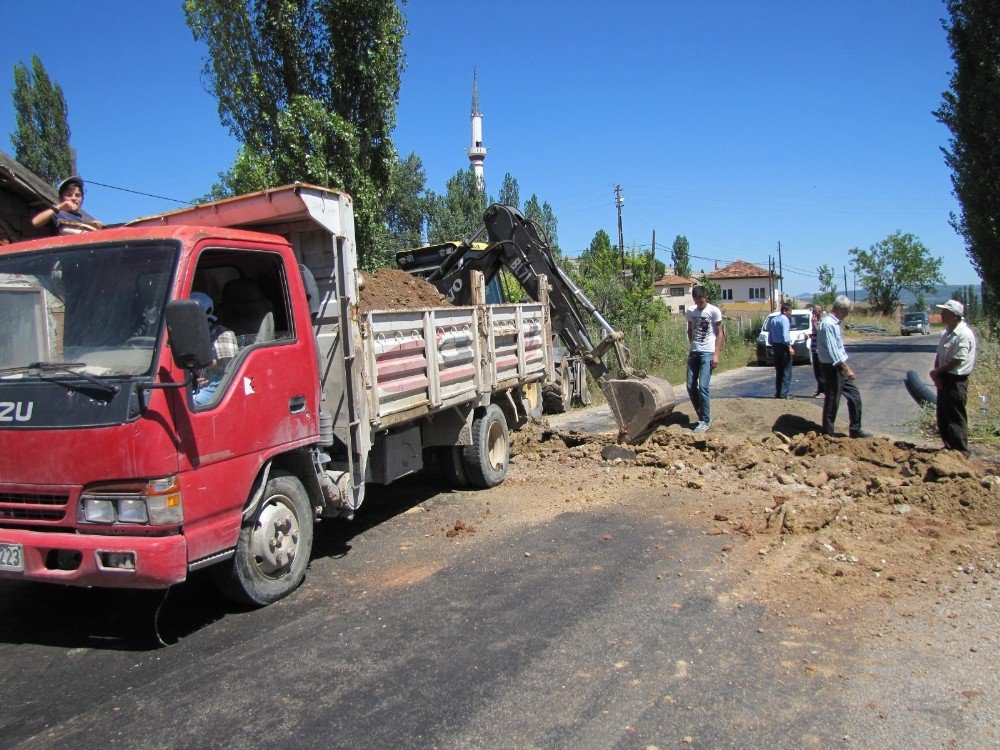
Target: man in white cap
956, 356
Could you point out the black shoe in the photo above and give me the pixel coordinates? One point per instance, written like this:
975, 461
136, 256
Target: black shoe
861, 434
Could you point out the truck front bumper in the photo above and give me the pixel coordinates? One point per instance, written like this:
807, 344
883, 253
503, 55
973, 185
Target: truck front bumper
153, 562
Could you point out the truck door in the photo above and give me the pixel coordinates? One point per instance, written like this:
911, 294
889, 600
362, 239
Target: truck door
260, 395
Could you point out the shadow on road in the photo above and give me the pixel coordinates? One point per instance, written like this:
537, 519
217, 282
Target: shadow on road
138, 620
896, 347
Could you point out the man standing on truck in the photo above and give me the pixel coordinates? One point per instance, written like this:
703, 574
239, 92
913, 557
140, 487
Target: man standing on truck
779, 329
706, 336
956, 356
66, 216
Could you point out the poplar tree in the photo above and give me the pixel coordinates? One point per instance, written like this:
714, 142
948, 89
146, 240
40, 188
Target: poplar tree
969, 110
41, 141
309, 88
680, 256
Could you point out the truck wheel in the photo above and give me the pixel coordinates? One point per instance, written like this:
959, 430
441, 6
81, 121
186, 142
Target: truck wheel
487, 458
558, 396
532, 400
451, 463
274, 545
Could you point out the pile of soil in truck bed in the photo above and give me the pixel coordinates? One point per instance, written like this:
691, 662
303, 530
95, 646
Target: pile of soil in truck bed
392, 289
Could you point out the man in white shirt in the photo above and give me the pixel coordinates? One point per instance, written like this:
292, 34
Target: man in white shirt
706, 336
956, 356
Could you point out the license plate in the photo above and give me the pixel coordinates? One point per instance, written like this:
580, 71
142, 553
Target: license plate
12, 557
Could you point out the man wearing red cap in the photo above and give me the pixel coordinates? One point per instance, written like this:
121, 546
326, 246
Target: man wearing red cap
956, 356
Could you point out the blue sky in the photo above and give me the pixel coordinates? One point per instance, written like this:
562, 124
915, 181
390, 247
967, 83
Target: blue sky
737, 124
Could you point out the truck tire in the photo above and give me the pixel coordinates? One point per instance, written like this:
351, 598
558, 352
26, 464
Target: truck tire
451, 464
556, 397
486, 460
274, 545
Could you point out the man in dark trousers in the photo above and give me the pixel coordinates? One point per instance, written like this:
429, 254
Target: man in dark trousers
837, 374
817, 315
779, 329
956, 356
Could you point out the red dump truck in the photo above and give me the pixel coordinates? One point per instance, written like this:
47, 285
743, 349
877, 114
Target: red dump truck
112, 475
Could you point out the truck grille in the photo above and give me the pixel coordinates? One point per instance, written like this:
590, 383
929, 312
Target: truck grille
30, 507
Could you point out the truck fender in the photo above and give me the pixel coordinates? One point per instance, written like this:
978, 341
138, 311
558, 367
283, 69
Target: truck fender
257, 492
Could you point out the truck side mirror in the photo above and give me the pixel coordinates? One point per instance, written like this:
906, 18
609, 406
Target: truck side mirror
187, 331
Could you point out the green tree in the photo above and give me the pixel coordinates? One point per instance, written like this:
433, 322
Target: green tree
544, 216
407, 206
827, 285
969, 110
509, 192
41, 141
680, 256
898, 262
712, 289
458, 214
627, 303
309, 88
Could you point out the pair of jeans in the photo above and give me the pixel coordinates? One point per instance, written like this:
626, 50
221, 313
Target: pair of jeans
838, 385
699, 376
782, 370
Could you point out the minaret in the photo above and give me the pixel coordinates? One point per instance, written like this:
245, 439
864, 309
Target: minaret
477, 154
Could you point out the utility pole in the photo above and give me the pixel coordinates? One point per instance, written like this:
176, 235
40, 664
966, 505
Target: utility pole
847, 288
619, 202
781, 274
770, 281
652, 261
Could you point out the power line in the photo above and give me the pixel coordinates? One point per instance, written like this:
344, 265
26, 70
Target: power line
139, 192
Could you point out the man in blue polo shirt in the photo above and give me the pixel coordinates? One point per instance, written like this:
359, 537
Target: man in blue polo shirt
779, 328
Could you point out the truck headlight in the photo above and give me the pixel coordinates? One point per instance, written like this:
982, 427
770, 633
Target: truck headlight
156, 502
98, 510
132, 510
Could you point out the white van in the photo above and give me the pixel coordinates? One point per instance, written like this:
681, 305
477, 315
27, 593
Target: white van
802, 332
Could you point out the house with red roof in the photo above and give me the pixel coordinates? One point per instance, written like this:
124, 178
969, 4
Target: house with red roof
675, 292
746, 288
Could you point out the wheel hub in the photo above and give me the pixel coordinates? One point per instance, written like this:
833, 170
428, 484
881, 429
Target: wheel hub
495, 443
275, 539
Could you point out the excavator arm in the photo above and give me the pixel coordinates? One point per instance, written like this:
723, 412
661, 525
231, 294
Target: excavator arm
637, 400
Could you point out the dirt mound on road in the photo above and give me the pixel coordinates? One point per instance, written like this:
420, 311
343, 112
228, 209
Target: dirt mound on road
392, 289
818, 523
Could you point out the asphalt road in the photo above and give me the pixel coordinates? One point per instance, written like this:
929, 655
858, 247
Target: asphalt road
605, 629
880, 365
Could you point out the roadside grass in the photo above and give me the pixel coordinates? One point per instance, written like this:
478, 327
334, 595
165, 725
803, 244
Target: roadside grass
664, 352
984, 390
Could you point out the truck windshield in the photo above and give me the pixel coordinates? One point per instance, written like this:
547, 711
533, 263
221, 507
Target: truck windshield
914, 318
96, 309
800, 321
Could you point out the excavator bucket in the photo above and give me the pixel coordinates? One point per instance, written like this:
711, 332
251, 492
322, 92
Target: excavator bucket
639, 404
